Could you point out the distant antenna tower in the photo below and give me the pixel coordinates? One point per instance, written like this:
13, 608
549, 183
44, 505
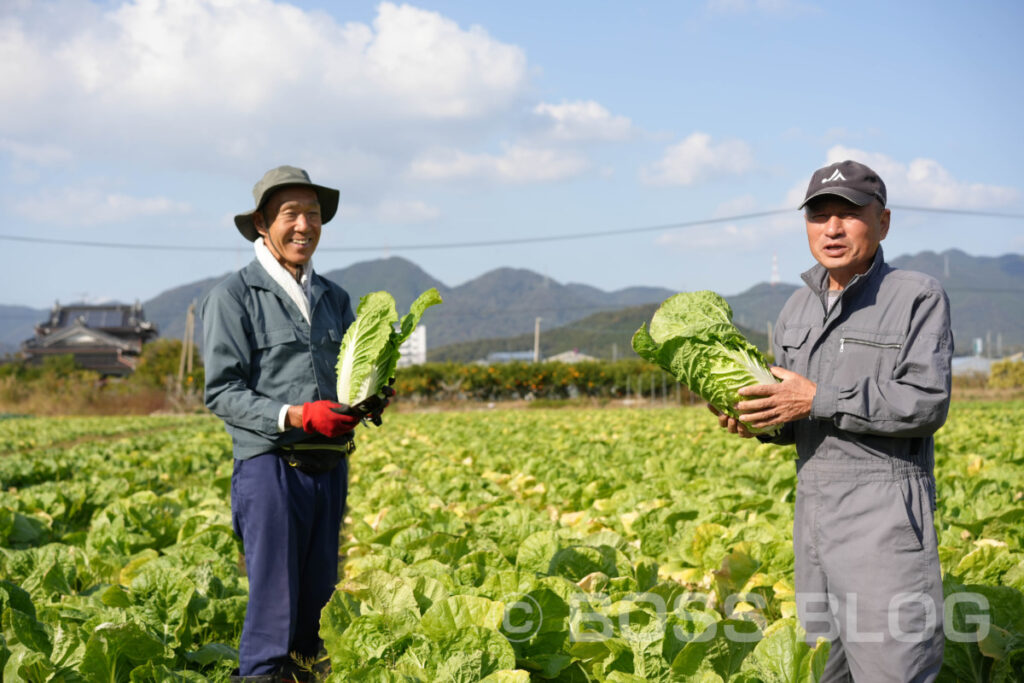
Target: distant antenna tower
775, 270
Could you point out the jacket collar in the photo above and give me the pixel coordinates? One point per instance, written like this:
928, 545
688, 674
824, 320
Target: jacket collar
255, 275
817, 279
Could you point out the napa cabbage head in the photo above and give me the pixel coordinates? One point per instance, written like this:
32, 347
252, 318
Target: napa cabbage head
692, 337
370, 348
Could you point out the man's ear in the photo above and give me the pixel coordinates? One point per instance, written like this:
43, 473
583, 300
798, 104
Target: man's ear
257, 222
883, 221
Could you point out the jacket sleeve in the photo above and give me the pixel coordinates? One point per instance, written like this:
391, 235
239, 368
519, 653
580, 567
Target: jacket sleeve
914, 400
227, 351
786, 435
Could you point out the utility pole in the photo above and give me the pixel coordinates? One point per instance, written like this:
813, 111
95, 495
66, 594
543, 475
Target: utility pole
187, 346
190, 321
536, 340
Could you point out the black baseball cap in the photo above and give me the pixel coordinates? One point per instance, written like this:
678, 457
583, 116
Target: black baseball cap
850, 180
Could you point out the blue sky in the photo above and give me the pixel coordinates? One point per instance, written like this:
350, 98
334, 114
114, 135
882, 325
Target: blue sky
148, 122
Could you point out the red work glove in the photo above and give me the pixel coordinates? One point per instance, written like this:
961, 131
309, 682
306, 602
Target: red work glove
321, 417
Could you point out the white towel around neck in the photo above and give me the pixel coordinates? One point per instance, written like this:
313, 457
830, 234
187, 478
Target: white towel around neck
300, 291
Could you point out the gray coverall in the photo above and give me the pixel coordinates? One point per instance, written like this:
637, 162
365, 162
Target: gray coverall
867, 569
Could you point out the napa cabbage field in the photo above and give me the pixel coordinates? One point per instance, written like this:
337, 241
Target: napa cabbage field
511, 545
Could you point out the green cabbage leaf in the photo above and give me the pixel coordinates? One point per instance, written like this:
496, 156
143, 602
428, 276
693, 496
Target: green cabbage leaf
693, 338
370, 348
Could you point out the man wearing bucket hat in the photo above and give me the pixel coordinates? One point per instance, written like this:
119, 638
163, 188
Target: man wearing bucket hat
272, 332
864, 352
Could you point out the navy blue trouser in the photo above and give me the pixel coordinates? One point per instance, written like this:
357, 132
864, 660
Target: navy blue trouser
289, 523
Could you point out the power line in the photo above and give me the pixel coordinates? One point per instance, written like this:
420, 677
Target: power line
958, 212
485, 243
414, 247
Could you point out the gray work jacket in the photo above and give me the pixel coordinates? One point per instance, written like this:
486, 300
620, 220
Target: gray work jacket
261, 354
881, 360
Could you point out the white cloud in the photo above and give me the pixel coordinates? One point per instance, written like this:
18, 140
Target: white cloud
743, 204
87, 207
407, 211
746, 236
919, 182
218, 63
396, 211
729, 236
518, 164
584, 121
36, 155
696, 159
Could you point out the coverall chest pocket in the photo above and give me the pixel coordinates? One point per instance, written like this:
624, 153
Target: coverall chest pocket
329, 340
274, 347
795, 349
864, 353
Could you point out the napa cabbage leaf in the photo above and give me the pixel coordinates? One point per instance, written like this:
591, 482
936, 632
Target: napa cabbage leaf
692, 337
369, 350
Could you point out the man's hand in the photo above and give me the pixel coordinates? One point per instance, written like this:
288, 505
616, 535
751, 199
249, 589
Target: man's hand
730, 424
388, 392
321, 417
776, 404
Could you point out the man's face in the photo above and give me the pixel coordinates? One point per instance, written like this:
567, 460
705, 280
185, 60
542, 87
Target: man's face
843, 236
294, 232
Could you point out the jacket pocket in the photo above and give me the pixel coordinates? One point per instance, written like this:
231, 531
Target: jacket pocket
909, 528
863, 353
328, 340
794, 349
272, 338
278, 358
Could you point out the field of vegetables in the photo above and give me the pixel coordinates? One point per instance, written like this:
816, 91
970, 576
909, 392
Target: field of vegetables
567, 545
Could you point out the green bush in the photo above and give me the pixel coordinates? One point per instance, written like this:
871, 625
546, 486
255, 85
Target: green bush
550, 380
159, 363
1006, 374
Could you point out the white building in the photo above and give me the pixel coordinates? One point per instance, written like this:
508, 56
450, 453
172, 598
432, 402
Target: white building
414, 349
570, 356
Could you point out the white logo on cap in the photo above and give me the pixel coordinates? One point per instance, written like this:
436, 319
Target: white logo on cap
836, 175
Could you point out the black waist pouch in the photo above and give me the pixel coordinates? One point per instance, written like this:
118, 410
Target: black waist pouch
316, 456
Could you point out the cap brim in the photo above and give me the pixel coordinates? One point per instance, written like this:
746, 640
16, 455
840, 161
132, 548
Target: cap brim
856, 196
328, 198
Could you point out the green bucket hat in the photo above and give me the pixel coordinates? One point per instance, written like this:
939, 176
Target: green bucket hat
275, 179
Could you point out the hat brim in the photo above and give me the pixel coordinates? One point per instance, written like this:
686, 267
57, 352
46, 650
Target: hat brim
856, 196
326, 196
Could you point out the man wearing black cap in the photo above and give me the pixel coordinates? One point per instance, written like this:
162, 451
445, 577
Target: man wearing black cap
864, 352
272, 333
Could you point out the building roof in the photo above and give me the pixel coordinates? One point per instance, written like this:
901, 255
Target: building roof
106, 338
114, 318
79, 336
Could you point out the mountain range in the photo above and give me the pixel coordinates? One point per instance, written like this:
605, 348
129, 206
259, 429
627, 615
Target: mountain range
986, 295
